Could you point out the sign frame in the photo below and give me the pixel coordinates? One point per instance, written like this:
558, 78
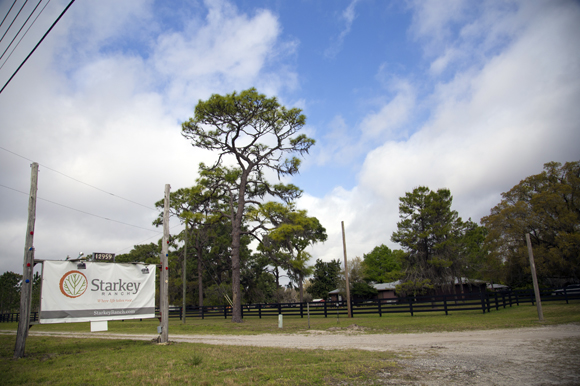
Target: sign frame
99, 292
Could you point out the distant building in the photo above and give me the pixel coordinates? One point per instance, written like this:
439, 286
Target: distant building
387, 290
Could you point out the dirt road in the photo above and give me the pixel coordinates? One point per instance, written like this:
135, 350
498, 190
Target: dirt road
548, 355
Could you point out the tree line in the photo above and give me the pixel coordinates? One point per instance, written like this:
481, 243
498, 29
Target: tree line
440, 250
243, 233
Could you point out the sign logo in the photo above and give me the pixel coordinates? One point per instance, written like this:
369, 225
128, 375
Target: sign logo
73, 284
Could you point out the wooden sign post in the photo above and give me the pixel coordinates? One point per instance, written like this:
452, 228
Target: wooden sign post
26, 287
346, 272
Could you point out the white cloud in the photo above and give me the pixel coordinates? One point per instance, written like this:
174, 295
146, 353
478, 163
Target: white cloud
392, 115
491, 125
348, 16
109, 116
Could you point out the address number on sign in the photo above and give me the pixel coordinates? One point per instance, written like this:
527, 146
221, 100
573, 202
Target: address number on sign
103, 256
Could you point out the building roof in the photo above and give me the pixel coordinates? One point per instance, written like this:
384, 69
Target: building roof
392, 285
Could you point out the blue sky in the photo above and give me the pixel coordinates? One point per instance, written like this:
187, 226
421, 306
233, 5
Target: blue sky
471, 96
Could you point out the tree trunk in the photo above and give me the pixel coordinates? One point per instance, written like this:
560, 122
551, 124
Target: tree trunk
277, 275
199, 279
184, 277
236, 243
236, 298
301, 278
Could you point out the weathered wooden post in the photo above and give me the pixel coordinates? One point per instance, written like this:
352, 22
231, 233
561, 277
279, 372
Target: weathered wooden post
346, 272
183, 275
164, 285
28, 267
534, 278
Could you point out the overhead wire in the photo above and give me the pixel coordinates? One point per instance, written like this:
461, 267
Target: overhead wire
147, 239
102, 217
18, 33
24, 34
79, 181
13, 20
12, 6
81, 211
98, 216
38, 44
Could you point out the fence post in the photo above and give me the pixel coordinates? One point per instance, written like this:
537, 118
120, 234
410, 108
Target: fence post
202, 315
242, 311
325, 314
260, 311
488, 303
483, 301
533, 297
180, 313
279, 308
445, 303
496, 303
301, 309
566, 295
351, 308
225, 312
411, 306
380, 310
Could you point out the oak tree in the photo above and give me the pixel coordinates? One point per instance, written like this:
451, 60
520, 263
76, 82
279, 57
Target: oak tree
547, 206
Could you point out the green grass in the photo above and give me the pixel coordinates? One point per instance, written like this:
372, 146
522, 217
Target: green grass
510, 317
67, 361
62, 361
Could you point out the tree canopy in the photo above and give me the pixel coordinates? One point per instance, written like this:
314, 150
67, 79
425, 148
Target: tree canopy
10, 292
547, 206
293, 231
382, 265
258, 133
440, 247
324, 279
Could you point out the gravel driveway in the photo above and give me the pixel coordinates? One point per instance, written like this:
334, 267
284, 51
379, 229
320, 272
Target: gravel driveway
548, 355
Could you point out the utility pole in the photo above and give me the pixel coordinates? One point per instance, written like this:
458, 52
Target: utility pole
183, 276
164, 286
28, 268
346, 272
534, 278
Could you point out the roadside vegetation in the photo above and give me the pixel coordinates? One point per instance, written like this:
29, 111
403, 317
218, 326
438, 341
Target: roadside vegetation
90, 361
524, 315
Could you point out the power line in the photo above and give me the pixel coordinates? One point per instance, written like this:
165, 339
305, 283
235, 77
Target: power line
13, 20
18, 33
35, 47
81, 211
12, 6
147, 239
79, 181
24, 34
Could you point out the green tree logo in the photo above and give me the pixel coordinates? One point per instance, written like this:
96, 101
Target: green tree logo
73, 284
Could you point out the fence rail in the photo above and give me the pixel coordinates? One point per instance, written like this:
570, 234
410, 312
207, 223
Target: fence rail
484, 302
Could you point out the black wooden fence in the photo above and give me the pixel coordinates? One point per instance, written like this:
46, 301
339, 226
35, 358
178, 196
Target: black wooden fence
484, 302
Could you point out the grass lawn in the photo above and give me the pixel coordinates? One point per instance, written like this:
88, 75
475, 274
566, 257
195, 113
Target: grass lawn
64, 361
511, 317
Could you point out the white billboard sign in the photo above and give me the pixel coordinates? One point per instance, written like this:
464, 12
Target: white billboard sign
101, 291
